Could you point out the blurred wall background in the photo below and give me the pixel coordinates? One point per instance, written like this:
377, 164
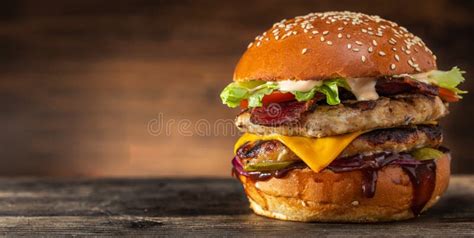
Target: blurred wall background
86, 84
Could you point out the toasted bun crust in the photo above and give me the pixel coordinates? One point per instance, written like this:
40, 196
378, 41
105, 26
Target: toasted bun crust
336, 197
319, 46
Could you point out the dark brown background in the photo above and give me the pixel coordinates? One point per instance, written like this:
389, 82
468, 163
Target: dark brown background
81, 80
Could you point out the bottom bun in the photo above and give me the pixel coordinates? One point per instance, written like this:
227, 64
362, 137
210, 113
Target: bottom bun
304, 195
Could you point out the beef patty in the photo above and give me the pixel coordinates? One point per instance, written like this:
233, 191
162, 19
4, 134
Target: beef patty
352, 116
395, 140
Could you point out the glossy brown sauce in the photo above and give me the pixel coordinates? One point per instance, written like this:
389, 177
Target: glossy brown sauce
423, 180
369, 181
422, 174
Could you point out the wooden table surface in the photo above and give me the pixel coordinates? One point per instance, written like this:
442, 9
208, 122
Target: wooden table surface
192, 207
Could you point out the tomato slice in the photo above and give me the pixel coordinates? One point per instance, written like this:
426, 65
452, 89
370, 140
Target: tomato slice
448, 95
244, 104
275, 96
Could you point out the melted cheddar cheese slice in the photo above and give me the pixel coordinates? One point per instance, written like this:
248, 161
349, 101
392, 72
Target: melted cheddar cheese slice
317, 153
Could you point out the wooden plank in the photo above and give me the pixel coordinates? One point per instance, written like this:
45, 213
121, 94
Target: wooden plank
242, 225
121, 197
178, 207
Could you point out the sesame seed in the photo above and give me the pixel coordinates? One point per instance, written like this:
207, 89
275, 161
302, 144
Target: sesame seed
349, 46
322, 38
315, 32
340, 28
325, 32
394, 49
370, 49
250, 45
392, 66
339, 35
348, 36
381, 53
407, 51
374, 42
304, 51
355, 203
259, 43
356, 49
364, 30
358, 42
363, 58
397, 58
329, 42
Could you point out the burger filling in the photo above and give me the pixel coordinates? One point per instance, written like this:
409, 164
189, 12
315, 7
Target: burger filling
267, 169
418, 141
257, 93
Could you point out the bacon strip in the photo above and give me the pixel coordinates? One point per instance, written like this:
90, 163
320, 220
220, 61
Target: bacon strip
284, 113
389, 86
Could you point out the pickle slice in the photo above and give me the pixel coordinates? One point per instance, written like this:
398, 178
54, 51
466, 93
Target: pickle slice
267, 165
427, 154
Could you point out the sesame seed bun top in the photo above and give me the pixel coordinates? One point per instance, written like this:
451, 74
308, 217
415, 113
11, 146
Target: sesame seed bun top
319, 46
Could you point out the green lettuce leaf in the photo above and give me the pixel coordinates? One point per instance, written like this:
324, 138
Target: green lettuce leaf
233, 94
304, 96
329, 88
255, 99
444, 79
253, 90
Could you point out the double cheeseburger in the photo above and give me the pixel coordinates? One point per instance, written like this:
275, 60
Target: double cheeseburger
339, 112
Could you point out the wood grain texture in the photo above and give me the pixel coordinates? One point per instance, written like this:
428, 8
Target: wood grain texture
81, 79
192, 207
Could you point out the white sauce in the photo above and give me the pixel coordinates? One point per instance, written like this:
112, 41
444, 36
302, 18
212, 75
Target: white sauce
421, 77
300, 85
363, 88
